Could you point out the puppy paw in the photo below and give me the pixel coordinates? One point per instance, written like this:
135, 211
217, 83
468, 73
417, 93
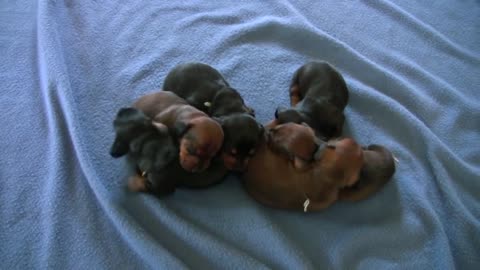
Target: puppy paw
137, 183
294, 95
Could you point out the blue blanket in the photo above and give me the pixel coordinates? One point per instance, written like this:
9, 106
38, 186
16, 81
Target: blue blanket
66, 67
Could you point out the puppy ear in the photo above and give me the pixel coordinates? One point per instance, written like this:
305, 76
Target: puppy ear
129, 115
136, 144
119, 148
180, 128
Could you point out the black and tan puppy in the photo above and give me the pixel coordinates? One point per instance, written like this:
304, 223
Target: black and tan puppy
165, 181
377, 170
205, 88
150, 148
199, 136
318, 96
132, 127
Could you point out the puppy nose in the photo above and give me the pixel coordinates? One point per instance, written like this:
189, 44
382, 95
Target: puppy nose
276, 113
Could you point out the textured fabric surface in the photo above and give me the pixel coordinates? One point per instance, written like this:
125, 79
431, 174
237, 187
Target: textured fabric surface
66, 67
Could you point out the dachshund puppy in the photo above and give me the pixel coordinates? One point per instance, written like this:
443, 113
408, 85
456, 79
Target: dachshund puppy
377, 170
297, 141
199, 136
272, 180
204, 87
318, 96
132, 128
164, 181
150, 148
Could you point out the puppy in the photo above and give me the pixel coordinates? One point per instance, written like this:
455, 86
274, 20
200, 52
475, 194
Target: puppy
145, 156
150, 148
199, 136
377, 170
165, 181
272, 180
205, 88
318, 96
297, 141
132, 128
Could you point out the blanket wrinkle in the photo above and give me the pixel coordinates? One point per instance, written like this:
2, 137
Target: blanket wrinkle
426, 30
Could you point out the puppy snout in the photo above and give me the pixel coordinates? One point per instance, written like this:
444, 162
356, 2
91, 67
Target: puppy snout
279, 111
238, 165
190, 163
203, 165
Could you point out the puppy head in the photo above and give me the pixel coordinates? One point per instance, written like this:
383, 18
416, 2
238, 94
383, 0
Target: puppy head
228, 101
242, 135
297, 141
288, 115
378, 163
128, 124
200, 139
330, 121
342, 160
155, 150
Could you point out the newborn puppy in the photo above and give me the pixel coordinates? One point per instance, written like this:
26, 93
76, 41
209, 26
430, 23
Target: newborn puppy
318, 96
199, 136
297, 141
150, 148
146, 155
272, 180
130, 126
205, 88
377, 170
162, 182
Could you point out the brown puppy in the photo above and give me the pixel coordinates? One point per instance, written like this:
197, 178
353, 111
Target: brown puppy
272, 180
205, 88
199, 136
377, 170
297, 142
318, 96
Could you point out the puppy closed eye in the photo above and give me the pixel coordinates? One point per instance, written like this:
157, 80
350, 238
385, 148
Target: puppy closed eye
191, 150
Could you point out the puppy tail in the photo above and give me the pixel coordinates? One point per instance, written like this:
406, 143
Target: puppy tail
378, 169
